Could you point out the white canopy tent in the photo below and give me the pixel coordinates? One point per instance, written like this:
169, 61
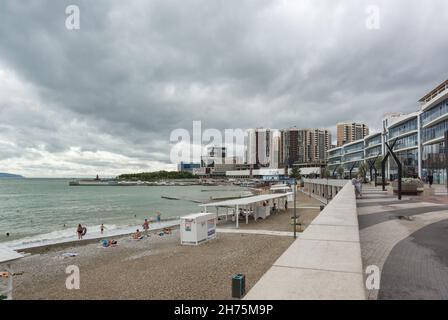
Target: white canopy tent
246, 203
7, 256
280, 188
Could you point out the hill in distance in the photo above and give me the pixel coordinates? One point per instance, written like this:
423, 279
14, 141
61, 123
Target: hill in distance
4, 175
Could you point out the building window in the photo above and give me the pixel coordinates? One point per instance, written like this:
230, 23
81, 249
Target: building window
434, 132
435, 112
403, 128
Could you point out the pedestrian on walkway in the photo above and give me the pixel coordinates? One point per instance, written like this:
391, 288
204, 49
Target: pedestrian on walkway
430, 178
359, 182
354, 182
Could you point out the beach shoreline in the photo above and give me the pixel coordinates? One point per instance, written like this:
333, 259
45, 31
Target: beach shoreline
20, 245
57, 246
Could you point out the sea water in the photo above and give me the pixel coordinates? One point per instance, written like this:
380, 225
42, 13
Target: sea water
46, 211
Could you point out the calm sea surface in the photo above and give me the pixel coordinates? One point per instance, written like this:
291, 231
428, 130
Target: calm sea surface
33, 209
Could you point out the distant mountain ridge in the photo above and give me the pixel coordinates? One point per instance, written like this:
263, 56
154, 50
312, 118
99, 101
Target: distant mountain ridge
4, 175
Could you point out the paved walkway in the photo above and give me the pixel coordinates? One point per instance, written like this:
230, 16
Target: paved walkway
407, 240
324, 262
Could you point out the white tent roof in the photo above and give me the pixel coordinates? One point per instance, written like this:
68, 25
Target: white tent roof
246, 201
7, 254
280, 187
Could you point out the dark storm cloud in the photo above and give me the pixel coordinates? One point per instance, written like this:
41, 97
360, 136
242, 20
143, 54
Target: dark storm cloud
109, 94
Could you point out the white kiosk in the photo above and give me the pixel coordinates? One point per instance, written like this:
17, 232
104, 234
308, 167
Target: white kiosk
7, 256
197, 228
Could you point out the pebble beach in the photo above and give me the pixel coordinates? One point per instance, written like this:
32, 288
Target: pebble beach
158, 266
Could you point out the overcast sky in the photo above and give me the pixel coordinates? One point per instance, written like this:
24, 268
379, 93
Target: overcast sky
104, 99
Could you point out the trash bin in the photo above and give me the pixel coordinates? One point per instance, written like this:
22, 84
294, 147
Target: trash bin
238, 286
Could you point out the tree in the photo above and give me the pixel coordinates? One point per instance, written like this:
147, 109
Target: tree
326, 173
295, 173
378, 164
363, 169
340, 170
157, 175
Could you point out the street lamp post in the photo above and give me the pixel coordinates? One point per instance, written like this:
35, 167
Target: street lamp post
295, 208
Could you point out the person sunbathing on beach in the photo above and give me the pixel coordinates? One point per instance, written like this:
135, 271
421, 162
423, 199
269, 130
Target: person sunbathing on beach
137, 235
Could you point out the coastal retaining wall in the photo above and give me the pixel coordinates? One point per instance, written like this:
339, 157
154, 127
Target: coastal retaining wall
325, 260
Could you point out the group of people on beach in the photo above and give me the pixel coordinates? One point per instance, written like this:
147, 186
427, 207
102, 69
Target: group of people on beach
82, 230
138, 235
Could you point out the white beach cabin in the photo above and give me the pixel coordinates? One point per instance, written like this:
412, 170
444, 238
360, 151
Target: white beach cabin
196, 228
7, 256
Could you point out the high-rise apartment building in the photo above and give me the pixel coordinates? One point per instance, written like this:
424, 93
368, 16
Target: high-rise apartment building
350, 132
262, 148
304, 146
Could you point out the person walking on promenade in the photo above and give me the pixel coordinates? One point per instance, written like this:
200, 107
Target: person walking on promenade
354, 183
359, 185
430, 179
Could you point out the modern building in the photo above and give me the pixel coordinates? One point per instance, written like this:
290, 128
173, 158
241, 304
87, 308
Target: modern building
334, 159
215, 155
350, 132
419, 141
304, 147
262, 148
434, 128
403, 132
187, 167
373, 146
349, 156
265, 174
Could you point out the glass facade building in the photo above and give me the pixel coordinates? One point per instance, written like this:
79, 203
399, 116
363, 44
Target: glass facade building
421, 141
434, 119
403, 128
403, 132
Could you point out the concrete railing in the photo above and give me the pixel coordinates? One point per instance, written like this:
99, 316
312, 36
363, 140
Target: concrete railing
325, 260
323, 189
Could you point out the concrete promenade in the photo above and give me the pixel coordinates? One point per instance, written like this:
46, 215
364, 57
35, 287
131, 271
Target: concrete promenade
407, 240
325, 260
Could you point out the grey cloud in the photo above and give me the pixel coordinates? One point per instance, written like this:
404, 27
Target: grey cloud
135, 71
